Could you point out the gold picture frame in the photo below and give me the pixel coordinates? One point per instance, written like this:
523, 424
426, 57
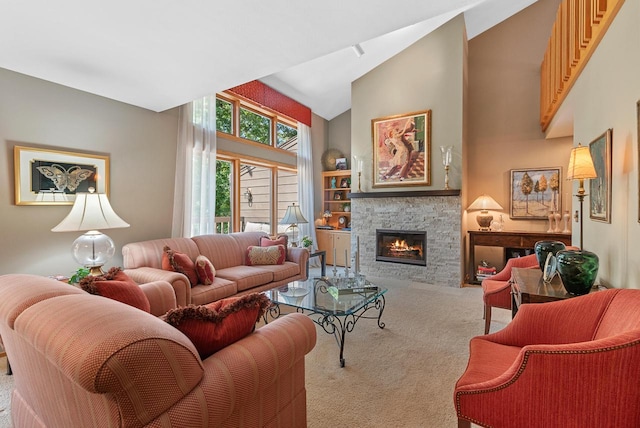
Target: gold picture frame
402, 150
53, 177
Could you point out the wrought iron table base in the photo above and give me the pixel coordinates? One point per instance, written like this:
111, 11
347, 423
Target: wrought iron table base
338, 325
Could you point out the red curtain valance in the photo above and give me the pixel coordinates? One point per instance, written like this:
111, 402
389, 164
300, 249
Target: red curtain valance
268, 97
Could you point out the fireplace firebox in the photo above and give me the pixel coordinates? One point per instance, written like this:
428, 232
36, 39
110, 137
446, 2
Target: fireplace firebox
401, 246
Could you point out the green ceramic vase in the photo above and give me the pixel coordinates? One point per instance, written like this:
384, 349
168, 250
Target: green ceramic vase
542, 248
578, 270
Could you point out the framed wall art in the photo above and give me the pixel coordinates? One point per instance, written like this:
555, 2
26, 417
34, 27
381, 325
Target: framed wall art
600, 187
402, 150
535, 192
52, 177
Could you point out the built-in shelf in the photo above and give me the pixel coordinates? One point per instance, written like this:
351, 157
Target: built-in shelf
405, 194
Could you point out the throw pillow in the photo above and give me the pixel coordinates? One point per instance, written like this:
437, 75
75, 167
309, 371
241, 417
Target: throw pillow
267, 241
205, 270
116, 285
176, 261
272, 255
216, 325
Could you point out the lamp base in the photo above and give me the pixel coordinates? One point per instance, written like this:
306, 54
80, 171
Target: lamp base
95, 270
484, 220
93, 250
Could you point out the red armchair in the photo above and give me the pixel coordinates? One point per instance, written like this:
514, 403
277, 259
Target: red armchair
497, 289
571, 363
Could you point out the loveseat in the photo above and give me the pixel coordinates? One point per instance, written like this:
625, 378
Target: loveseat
81, 360
143, 263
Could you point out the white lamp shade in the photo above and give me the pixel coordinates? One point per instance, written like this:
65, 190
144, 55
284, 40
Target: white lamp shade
90, 211
293, 215
580, 164
484, 202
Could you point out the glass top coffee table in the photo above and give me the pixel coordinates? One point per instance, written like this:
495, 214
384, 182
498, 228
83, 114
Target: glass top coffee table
336, 307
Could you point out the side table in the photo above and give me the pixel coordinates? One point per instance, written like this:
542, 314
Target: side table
527, 286
323, 262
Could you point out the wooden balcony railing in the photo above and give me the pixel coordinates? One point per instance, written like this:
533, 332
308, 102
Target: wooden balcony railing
577, 30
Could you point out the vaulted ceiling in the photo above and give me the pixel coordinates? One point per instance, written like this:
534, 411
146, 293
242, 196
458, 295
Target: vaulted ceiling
158, 54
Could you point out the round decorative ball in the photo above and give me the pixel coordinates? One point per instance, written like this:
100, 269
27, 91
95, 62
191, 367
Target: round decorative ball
578, 270
542, 248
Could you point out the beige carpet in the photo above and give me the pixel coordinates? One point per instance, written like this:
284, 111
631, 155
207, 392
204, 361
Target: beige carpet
399, 376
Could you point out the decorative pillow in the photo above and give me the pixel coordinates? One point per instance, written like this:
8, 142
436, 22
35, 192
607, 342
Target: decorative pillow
267, 241
216, 325
205, 270
272, 255
176, 261
116, 285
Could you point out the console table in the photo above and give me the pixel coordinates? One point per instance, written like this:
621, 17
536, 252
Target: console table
518, 240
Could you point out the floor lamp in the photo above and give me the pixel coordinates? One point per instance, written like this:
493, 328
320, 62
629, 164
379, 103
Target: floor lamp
581, 168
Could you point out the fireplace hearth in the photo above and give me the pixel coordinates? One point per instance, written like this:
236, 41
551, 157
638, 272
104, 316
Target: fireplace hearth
401, 246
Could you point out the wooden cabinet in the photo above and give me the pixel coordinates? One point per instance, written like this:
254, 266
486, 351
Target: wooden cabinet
338, 240
336, 185
515, 240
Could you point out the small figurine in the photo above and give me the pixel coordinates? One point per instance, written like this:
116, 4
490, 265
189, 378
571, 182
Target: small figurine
333, 182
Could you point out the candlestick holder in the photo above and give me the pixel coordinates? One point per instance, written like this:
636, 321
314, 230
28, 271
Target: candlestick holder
359, 176
567, 218
446, 177
446, 161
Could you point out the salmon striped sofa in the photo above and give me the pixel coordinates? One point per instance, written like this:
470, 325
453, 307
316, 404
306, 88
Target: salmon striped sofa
142, 261
81, 360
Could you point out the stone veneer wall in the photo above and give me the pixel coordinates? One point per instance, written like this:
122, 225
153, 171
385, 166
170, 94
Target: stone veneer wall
439, 216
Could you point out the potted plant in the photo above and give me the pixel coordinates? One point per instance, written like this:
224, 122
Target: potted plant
306, 242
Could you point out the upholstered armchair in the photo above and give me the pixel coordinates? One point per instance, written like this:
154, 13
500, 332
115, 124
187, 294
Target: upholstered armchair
570, 363
497, 289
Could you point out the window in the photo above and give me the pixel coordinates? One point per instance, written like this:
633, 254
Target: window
223, 196
255, 127
224, 116
286, 136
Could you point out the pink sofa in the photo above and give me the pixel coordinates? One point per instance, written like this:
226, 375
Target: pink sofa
81, 360
143, 263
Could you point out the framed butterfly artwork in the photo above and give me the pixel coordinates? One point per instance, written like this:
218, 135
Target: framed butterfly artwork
53, 177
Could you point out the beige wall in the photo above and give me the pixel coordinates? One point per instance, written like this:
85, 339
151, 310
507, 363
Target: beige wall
503, 114
141, 145
426, 75
605, 96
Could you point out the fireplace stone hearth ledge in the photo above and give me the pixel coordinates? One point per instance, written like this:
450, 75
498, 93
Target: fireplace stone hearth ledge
439, 212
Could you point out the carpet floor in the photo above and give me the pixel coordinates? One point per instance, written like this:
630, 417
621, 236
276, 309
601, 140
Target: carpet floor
399, 376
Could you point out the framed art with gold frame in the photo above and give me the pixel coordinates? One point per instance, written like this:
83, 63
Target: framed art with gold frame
402, 150
600, 187
52, 177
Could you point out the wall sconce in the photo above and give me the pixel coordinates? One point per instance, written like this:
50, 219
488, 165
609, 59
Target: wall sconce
248, 196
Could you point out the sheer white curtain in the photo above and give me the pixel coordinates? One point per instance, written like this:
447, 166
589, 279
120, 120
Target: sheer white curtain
305, 185
194, 202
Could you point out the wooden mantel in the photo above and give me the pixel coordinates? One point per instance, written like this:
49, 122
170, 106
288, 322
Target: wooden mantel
405, 194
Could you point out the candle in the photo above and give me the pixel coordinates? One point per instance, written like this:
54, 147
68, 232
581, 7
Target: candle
360, 165
334, 258
346, 257
357, 254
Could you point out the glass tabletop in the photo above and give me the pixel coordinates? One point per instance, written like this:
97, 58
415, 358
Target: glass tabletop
324, 295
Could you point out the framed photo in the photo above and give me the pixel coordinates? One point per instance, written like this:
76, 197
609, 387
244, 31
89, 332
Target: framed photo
600, 187
52, 177
341, 164
535, 192
345, 182
402, 150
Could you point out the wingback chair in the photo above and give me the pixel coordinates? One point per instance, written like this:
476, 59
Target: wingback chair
570, 363
497, 289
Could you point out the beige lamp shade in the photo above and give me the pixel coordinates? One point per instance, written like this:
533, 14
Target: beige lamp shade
293, 216
580, 164
90, 212
484, 203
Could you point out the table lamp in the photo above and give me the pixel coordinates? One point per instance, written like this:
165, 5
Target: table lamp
91, 211
484, 203
293, 216
581, 168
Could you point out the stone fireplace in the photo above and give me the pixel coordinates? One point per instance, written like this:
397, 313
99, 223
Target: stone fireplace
438, 213
401, 246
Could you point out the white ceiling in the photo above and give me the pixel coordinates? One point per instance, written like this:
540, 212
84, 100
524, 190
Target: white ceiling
158, 54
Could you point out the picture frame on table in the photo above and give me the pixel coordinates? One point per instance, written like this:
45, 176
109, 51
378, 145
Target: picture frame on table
402, 150
535, 192
600, 187
53, 177
341, 164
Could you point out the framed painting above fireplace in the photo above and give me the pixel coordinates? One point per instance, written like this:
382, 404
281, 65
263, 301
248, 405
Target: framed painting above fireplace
402, 150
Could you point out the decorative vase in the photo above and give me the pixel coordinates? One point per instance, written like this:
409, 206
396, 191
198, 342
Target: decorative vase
578, 270
551, 219
542, 248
